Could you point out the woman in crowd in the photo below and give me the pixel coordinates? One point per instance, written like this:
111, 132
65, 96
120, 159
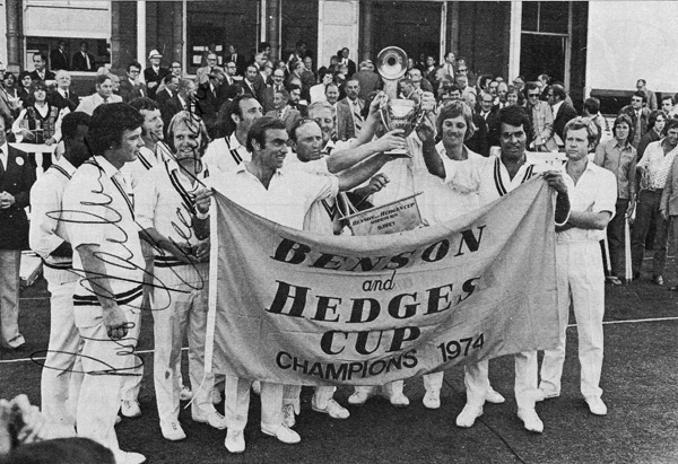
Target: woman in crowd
655, 131
619, 156
38, 115
10, 87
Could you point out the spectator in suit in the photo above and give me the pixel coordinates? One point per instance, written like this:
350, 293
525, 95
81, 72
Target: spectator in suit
176, 69
267, 96
202, 73
208, 103
58, 58
252, 84
349, 112
667, 104
168, 98
650, 96
41, 73
63, 96
104, 94
562, 110
83, 60
284, 107
317, 92
16, 178
640, 116
234, 57
344, 59
368, 79
131, 87
541, 119
230, 87
154, 73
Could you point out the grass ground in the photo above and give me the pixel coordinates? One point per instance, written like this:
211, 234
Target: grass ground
640, 379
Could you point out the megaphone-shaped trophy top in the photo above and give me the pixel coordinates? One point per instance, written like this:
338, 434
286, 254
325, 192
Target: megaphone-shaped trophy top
392, 63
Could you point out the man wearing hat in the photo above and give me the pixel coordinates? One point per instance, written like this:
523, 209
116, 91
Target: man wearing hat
154, 73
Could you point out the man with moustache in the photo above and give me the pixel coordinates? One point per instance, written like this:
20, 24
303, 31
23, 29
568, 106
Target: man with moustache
61, 374
492, 178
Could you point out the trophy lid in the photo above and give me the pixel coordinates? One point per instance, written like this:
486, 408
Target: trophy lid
392, 63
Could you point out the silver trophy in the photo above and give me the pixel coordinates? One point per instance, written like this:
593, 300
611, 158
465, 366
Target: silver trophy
397, 113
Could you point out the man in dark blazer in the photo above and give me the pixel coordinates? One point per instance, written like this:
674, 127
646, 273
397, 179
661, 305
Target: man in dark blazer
58, 58
40, 73
234, 57
154, 73
639, 114
16, 178
562, 110
168, 99
252, 84
208, 103
83, 60
131, 87
63, 96
344, 59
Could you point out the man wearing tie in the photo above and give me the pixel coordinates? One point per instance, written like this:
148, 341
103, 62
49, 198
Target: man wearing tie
131, 88
639, 114
348, 62
104, 94
168, 98
40, 73
154, 73
58, 59
269, 92
82, 60
63, 97
16, 179
250, 84
349, 112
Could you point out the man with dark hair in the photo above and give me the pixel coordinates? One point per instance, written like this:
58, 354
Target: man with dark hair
344, 59
61, 373
562, 110
639, 114
41, 73
653, 169
107, 255
82, 60
493, 178
252, 84
58, 58
16, 179
104, 94
131, 87
667, 105
226, 153
168, 98
650, 96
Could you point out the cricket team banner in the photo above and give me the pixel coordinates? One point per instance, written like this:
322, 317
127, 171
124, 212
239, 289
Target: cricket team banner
293, 307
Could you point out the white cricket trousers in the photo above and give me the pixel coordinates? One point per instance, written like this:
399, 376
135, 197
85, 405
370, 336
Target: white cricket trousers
477, 382
321, 396
62, 372
106, 363
581, 281
237, 403
175, 314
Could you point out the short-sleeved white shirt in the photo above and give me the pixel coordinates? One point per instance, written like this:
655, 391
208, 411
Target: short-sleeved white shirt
138, 169
596, 187
225, 154
289, 196
98, 209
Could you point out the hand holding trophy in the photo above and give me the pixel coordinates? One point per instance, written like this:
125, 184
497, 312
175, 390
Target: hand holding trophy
397, 113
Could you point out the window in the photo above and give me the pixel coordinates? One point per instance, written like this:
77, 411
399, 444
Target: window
47, 46
545, 17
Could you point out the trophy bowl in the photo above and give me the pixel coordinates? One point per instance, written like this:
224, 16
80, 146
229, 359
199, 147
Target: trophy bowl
400, 113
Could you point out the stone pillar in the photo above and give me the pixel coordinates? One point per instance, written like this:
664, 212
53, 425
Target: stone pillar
123, 35
14, 35
273, 26
453, 43
366, 21
177, 32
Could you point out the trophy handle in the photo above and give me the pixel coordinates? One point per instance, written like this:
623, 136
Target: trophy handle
384, 116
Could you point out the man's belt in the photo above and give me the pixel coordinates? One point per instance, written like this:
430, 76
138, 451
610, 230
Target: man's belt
120, 298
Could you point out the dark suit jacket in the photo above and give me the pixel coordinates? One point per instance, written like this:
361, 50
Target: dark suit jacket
258, 85
267, 98
565, 113
207, 105
352, 68
78, 62
169, 105
55, 99
151, 76
49, 76
345, 124
17, 179
479, 142
239, 63
129, 92
644, 120
58, 60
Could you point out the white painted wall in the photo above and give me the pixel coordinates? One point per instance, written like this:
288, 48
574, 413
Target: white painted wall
52, 18
337, 28
628, 40
3, 34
